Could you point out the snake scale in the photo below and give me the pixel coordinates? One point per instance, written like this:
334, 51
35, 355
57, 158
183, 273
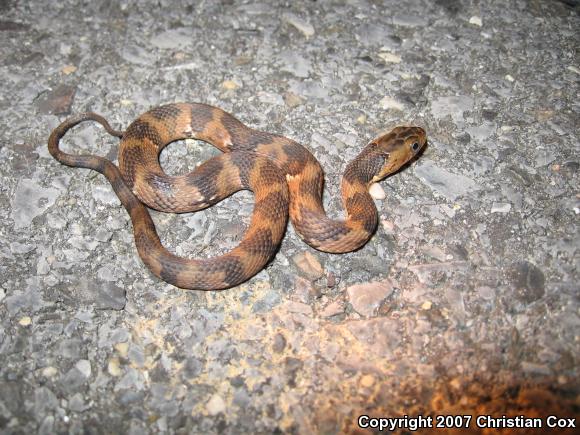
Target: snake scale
284, 176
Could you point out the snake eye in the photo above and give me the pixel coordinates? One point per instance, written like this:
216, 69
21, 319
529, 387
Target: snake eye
415, 147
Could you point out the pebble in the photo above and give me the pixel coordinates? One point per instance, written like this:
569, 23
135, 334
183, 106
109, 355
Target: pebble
25, 321
529, 282
309, 265
302, 26
475, 20
21, 248
105, 195
451, 185
303, 290
173, 39
136, 55
377, 191
453, 106
57, 101
133, 380
215, 405
109, 273
298, 307
30, 200
230, 85
292, 100
501, 207
122, 349
114, 367
49, 372
69, 69
367, 298
390, 57
77, 403
409, 20
295, 63
72, 380
367, 381
84, 366
279, 343
388, 103
334, 308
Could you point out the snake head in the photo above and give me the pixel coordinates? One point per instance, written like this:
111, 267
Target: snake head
397, 148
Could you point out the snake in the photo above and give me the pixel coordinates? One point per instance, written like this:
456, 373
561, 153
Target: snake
286, 179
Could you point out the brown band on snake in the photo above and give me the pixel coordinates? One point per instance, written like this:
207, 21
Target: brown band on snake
285, 178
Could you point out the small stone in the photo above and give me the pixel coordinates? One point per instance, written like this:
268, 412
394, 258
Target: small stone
114, 367
292, 100
362, 119
72, 380
453, 106
475, 20
367, 298
25, 321
544, 158
84, 366
279, 343
133, 380
390, 103
390, 57
30, 200
377, 191
230, 85
407, 20
298, 307
427, 305
216, 405
448, 184
529, 282
122, 349
388, 226
333, 309
173, 39
108, 273
21, 248
330, 280
367, 381
302, 26
47, 426
303, 290
69, 69
270, 98
501, 207
434, 252
309, 265
295, 64
49, 372
76, 403
58, 101
242, 60
509, 78
105, 195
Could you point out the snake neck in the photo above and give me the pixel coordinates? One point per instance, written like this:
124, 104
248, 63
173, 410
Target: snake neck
335, 235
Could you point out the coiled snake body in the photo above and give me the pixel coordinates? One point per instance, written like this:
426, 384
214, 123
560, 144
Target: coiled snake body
285, 177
